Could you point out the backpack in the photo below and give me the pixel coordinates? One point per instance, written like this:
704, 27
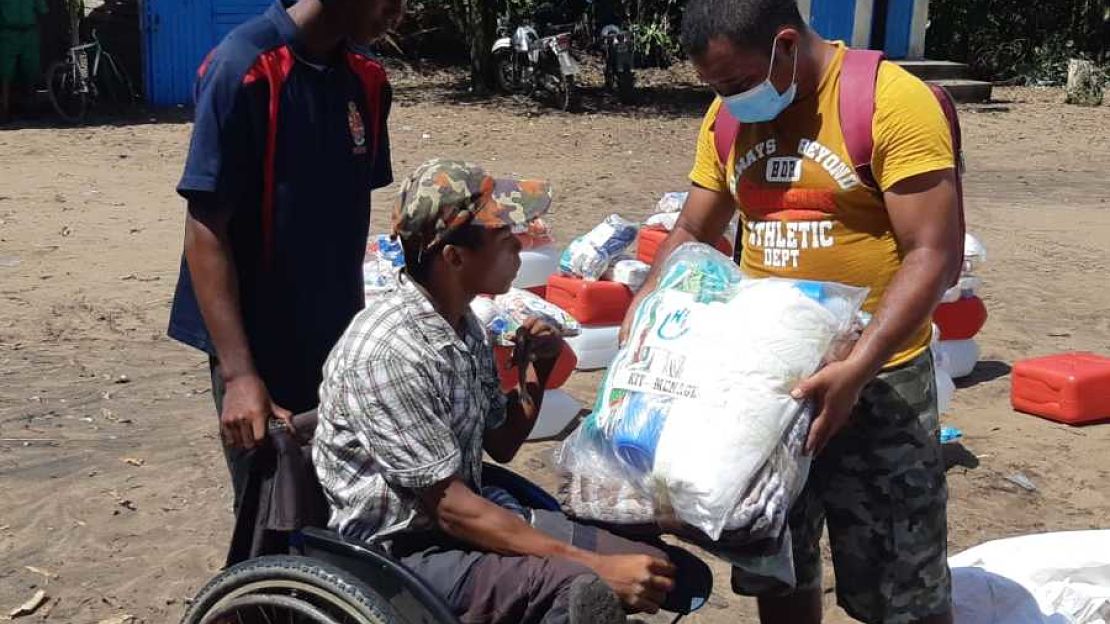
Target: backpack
857, 111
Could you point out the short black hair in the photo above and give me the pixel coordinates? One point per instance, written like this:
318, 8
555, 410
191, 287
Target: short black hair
419, 261
750, 24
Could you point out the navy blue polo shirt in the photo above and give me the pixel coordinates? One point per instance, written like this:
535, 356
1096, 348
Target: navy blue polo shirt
291, 149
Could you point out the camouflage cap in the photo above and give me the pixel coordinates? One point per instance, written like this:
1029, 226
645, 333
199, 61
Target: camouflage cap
444, 195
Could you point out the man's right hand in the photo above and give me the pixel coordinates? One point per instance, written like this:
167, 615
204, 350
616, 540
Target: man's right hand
247, 408
641, 582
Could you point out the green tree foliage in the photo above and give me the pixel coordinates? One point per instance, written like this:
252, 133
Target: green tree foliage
1017, 39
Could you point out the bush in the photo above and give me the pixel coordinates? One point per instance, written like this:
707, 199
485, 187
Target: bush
1017, 40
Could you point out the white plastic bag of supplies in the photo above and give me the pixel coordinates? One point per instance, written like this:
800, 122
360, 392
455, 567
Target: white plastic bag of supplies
628, 271
589, 256
694, 423
503, 315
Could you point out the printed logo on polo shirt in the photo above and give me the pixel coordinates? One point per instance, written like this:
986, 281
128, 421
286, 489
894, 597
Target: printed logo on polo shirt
358, 130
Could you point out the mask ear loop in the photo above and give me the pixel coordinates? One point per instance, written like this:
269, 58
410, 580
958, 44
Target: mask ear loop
771, 67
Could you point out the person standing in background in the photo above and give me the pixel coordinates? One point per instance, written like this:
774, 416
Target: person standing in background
20, 61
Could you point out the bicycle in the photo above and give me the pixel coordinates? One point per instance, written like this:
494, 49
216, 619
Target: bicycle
80, 82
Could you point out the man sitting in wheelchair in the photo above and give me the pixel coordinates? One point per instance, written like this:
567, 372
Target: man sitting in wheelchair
411, 399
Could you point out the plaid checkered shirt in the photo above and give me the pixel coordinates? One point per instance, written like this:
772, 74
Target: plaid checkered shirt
405, 404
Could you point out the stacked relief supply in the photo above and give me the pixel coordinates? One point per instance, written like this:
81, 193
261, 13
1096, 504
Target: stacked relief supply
596, 283
957, 321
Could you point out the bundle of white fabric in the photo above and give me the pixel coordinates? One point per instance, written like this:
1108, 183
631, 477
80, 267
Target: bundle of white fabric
695, 414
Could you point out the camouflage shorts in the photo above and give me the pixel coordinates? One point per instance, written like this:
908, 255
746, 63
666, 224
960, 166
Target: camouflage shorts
880, 488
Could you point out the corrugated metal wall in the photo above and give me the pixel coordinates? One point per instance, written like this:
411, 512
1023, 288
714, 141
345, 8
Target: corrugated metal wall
833, 19
898, 28
177, 34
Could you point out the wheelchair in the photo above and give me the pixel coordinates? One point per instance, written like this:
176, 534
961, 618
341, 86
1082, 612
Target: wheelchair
336, 580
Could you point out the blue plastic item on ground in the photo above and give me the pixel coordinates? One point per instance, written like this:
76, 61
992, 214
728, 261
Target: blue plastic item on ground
950, 434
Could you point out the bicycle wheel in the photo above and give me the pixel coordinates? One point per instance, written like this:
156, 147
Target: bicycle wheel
566, 95
290, 589
113, 86
70, 101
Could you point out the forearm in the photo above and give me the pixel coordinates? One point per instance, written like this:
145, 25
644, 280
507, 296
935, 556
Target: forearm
464, 515
216, 285
909, 301
504, 442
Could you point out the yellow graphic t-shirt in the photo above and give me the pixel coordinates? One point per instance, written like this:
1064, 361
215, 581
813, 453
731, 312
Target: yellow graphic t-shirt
805, 213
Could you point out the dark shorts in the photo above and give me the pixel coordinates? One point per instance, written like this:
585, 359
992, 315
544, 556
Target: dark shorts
481, 587
880, 488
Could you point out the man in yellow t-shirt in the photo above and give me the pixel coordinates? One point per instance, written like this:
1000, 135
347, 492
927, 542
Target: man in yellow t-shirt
878, 477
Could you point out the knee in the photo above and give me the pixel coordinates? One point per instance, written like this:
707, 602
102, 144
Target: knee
553, 577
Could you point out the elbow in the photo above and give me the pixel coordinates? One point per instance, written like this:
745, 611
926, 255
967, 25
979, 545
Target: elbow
192, 235
953, 266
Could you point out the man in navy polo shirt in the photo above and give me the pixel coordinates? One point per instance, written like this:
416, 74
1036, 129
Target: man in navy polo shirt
290, 138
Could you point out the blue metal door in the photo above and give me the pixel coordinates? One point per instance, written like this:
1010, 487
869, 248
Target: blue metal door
899, 26
227, 14
833, 19
178, 34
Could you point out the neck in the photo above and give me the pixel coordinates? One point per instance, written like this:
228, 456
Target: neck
320, 34
448, 298
817, 55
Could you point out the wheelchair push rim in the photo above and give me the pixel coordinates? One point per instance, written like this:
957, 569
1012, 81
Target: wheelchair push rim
288, 590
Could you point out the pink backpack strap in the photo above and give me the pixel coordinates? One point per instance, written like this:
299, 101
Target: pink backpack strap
725, 129
857, 109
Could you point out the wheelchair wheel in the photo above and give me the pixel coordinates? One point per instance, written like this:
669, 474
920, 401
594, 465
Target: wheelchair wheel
297, 590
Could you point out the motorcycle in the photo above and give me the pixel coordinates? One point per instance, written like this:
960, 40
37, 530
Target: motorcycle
538, 66
617, 46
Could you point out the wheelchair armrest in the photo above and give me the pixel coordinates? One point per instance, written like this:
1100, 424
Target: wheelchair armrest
529, 494
406, 592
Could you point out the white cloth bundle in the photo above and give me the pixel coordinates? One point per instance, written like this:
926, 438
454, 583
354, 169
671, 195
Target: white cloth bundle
698, 402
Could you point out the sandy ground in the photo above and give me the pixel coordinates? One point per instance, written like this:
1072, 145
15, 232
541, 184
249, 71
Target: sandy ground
112, 483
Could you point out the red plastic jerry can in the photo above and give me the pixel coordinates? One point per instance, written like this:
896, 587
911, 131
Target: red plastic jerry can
1072, 388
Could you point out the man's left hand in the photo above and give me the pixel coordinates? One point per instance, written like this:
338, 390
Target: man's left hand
834, 390
536, 341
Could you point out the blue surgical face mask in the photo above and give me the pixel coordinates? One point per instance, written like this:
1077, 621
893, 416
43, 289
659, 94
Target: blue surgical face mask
763, 102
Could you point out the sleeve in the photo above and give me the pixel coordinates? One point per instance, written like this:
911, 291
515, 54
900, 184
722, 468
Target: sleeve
221, 148
491, 383
382, 174
398, 417
708, 171
911, 133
